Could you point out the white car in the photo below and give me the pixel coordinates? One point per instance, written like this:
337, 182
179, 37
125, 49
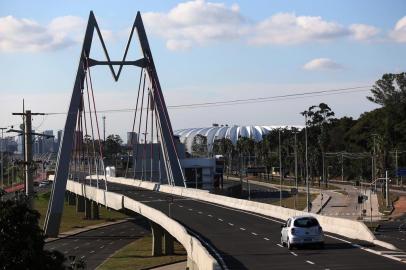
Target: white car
302, 230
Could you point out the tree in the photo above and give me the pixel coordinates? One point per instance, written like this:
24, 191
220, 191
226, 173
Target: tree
22, 240
199, 145
113, 145
389, 90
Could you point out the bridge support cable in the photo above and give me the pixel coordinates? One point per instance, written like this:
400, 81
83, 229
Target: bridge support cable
144, 152
74, 122
139, 129
133, 125
92, 131
101, 160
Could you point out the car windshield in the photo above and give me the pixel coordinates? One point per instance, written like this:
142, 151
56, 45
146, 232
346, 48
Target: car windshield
306, 222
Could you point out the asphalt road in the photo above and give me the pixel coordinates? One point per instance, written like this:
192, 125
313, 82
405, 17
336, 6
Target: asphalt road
97, 245
245, 240
394, 232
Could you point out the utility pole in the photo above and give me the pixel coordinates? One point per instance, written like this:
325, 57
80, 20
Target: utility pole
387, 188
2, 160
296, 169
342, 166
280, 169
307, 169
29, 185
396, 166
28, 162
104, 129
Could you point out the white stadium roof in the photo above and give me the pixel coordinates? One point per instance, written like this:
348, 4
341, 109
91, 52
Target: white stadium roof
229, 132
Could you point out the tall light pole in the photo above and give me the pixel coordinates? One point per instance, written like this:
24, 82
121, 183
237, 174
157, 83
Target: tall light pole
2, 161
296, 169
307, 169
104, 129
280, 169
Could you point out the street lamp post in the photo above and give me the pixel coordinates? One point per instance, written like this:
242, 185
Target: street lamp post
2, 160
280, 169
307, 169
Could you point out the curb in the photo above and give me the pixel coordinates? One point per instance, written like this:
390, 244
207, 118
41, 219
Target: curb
324, 204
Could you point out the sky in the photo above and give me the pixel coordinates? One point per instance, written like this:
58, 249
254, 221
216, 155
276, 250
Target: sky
204, 51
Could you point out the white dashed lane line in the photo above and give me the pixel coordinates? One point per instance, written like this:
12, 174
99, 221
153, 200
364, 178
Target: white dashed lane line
209, 215
231, 224
92, 251
200, 212
254, 233
76, 247
310, 262
279, 245
219, 219
101, 246
190, 209
267, 239
294, 254
242, 229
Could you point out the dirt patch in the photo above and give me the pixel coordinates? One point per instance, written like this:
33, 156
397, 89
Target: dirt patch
400, 207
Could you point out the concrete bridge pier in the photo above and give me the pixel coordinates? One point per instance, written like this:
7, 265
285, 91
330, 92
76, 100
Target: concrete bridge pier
71, 198
80, 204
158, 235
88, 208
95, 210
168, 244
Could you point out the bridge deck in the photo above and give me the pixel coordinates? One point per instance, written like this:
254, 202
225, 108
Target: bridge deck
246, 240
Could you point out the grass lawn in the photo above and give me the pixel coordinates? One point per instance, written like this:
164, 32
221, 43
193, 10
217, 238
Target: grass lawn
137, 255
301, 201
71, 219
382, 202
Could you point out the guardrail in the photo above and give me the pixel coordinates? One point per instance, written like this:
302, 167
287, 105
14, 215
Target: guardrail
197, 253
345, 227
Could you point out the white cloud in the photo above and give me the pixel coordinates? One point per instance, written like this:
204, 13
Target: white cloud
29, 36
287, 28
363, 31
322, 64
196, 22
399, 32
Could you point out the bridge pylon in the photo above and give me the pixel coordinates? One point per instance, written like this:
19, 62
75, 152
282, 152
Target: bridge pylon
170, 156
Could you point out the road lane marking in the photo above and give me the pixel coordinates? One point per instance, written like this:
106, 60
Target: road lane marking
209, 215
76, 247
279, 245
267, 239
310, 262
200, 212
231, 224
294, 254
254, 233
101, 246
190, 209
242, 229
219, 219
92, 251
82, 257
180, 206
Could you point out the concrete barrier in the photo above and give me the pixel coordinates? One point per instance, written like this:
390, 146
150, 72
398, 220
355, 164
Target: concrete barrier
198, 256
345, 227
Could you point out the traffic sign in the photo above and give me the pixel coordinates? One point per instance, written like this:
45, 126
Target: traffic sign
401, 172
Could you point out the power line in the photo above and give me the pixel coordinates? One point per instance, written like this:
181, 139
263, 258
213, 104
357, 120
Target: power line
248, 100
